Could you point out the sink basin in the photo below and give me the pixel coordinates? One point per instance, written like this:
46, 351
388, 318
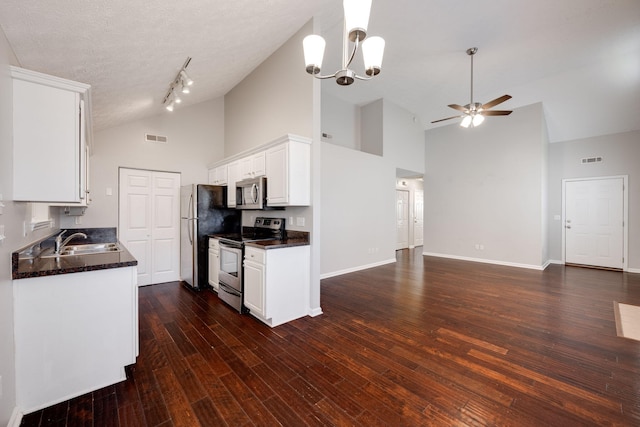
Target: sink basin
93, 248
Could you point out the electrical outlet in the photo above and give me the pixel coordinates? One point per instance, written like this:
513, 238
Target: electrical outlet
300, 221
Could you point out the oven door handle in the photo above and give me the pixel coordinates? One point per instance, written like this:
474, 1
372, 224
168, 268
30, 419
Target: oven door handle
228, 289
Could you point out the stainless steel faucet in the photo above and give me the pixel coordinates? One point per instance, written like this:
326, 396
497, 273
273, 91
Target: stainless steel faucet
60, 244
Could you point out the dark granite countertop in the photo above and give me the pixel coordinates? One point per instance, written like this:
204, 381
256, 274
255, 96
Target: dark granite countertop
278, 244
27, 266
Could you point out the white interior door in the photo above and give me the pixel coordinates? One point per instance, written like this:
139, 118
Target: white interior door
418, 218
594, 222
402, 219
149, 222
165, 232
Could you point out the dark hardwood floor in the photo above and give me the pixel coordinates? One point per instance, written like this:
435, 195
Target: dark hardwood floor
425, 341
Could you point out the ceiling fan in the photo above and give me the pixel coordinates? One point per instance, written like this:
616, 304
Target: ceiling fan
475, 112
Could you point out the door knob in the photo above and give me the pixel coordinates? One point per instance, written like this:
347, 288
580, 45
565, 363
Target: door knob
567, 226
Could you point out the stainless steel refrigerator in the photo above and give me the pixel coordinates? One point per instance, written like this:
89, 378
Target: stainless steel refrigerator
203, 211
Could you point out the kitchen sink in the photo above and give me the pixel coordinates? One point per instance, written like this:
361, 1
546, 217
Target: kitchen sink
92, 248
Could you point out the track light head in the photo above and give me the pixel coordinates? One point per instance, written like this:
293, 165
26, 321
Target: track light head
185, 78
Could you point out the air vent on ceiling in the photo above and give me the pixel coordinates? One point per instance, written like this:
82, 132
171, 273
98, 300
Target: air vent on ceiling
155, 138
591, 160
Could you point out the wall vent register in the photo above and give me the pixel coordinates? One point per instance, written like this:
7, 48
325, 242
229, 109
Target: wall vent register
597, 159
155, 138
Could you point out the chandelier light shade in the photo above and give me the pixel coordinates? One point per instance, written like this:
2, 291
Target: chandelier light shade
313, 53
372, 51
356, 20
180, 84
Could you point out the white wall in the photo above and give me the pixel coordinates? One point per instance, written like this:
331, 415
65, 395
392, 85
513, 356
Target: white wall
274, 100
341, 120
358, 199
484, 186
195, 140
359, 189
621, 156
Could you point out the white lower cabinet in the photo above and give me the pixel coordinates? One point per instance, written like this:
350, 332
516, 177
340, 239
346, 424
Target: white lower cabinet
276, 283
74, 333
214, 262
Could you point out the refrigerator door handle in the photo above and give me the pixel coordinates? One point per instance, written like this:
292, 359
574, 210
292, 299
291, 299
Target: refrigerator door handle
190, 224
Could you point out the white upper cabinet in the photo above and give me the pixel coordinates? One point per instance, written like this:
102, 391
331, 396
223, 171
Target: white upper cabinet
233, 174
289, 173
253, 166
51, 126
218, 175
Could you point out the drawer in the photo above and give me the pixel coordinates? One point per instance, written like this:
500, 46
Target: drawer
214, 243
254, 255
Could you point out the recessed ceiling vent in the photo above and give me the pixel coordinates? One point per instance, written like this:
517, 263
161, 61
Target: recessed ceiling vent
155, 138
591, 160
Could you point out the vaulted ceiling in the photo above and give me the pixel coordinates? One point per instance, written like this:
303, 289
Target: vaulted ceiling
580, 58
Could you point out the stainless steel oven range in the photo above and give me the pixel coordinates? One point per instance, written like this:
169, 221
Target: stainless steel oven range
230, 278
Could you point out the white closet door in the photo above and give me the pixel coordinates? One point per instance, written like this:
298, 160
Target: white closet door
149, 222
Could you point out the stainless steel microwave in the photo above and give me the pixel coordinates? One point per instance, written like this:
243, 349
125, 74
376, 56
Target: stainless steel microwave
251, 193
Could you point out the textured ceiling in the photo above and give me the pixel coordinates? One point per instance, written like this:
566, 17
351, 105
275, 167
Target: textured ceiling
580, 58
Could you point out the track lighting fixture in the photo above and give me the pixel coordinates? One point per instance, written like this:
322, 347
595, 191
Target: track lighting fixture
180, 84
356, 19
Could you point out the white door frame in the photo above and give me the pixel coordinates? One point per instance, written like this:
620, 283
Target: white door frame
625, 210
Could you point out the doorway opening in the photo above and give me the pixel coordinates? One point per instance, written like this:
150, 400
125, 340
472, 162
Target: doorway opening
409, 209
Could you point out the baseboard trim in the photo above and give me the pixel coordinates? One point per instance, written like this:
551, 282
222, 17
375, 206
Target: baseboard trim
354, 269
489, 261
315, 312
633, 270
16, 418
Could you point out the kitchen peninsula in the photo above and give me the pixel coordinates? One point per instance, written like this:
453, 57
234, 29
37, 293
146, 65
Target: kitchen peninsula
76, 318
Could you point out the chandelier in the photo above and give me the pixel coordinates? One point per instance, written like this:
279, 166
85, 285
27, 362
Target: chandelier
356, 19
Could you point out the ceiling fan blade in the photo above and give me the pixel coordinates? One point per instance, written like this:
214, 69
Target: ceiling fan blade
459, 108
448, 118
496, 112
496, 102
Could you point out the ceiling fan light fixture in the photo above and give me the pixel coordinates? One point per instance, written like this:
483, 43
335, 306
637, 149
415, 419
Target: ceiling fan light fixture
474, 112
477, 120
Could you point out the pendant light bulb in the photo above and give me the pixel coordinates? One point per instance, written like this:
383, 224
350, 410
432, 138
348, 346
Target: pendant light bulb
477, 120
466, 121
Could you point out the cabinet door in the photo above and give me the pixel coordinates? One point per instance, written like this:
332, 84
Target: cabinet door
259, 164
47, 148
233, 172
254, 292
214, 268
277, 162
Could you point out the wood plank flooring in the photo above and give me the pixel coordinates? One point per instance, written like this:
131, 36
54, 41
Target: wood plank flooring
425, 341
